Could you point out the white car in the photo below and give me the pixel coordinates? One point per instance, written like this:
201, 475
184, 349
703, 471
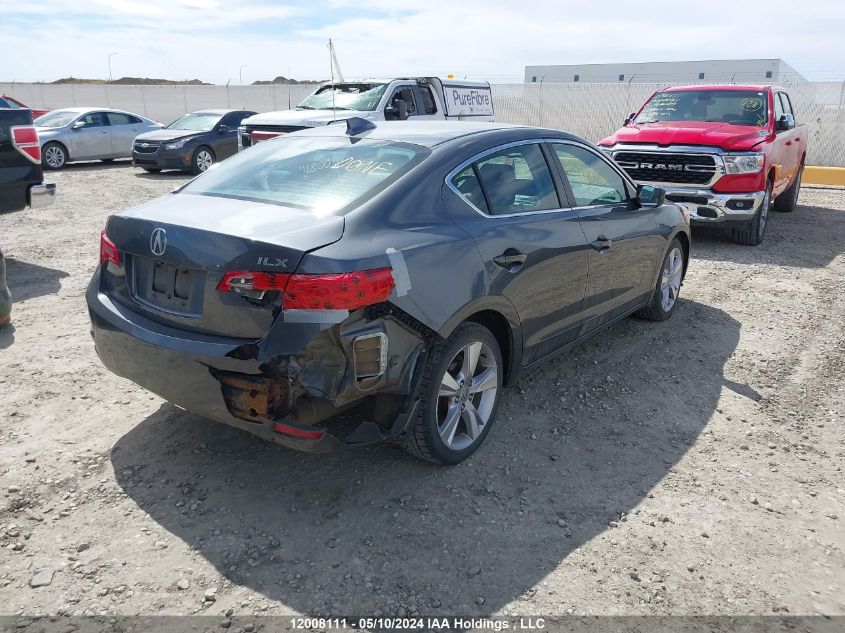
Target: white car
74, 134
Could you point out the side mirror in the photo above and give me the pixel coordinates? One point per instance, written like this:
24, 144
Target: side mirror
629, 118
785, 122
79, 124
396, 112
650, 196
222, 129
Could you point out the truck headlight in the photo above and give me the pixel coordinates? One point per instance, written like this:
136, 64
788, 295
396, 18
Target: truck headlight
743, 163
176, 145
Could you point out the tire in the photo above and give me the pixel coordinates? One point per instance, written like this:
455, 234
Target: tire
668, 288
53, 156
202, 159
449, 428
751, 233
151, 170
788, 200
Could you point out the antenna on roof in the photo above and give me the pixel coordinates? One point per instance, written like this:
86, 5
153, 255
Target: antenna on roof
356, 125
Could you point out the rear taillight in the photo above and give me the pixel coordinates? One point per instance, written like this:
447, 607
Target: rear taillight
25, 140
340, 291
258, 136
108, 250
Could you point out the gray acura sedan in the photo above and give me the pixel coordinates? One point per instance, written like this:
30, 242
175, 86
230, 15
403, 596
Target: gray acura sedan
411, 268
76, 134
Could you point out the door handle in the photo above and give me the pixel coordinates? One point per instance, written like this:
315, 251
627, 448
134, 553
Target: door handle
510, 260
601, 243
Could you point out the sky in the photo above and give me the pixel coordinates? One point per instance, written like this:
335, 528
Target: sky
225, 40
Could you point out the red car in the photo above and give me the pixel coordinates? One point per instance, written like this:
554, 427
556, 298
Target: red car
728, 152
10, 102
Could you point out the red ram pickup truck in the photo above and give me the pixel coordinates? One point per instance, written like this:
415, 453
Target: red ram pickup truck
728, 152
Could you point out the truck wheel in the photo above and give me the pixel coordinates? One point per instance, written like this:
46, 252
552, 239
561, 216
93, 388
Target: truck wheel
462, 384
751, 234
53, 156
202, 159
668, 287
788, 200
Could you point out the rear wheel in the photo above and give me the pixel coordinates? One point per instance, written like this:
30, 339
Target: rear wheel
53, 156
788, 200
460, 396
202, 159
751, 233
668, 287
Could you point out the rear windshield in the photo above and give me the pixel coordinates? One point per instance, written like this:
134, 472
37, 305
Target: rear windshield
736, 107
325, 175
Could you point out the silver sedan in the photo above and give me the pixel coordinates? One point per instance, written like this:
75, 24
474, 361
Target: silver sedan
88, 134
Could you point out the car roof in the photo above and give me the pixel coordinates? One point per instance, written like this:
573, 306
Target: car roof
425, 133
755, 87
81, 109
219, 111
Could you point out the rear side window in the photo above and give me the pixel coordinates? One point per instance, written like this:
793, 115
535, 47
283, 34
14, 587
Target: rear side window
592, 180
429, 107
118, 118
324, 175
4, 103
513, 180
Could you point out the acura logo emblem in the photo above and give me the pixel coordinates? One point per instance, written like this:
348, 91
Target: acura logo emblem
158, 242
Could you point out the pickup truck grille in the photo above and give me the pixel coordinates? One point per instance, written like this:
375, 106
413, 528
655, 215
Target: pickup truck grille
682, 169
145, 147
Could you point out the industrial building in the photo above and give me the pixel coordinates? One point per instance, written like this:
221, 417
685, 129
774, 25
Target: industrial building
774, 71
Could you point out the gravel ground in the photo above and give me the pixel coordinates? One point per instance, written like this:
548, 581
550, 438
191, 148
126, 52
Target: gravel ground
686, 467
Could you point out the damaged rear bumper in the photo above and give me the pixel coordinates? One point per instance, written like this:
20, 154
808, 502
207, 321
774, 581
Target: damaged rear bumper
288, 388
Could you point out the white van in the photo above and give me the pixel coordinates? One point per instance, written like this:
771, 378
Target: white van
408, 98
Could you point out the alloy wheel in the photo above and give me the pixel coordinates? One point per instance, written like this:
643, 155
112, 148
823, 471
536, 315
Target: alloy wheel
54, 157
670, 280
467, 395
204, 160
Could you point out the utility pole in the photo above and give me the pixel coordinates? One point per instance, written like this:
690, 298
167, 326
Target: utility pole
110, 56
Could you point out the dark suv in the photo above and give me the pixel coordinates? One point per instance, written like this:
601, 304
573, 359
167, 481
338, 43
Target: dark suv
191, 143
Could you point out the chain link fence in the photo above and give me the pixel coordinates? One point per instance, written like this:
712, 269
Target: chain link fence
590, 110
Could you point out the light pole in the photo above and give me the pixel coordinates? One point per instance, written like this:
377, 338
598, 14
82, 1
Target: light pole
241, 74
110, 56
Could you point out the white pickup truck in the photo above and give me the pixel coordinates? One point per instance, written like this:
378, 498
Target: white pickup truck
417, 98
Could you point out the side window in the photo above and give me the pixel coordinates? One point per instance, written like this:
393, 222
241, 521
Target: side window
429, 107
407, 95
233, 119
517, 180
95, 119
118, 118
592, 180
787, 106
778, 107
468, 184
4, 103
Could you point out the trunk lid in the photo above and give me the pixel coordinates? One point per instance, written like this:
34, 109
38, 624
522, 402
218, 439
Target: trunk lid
175, 250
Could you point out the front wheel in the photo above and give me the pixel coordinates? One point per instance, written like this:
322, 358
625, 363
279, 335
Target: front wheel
201, 160
668, 288
460, 393
751, 233
53, 156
